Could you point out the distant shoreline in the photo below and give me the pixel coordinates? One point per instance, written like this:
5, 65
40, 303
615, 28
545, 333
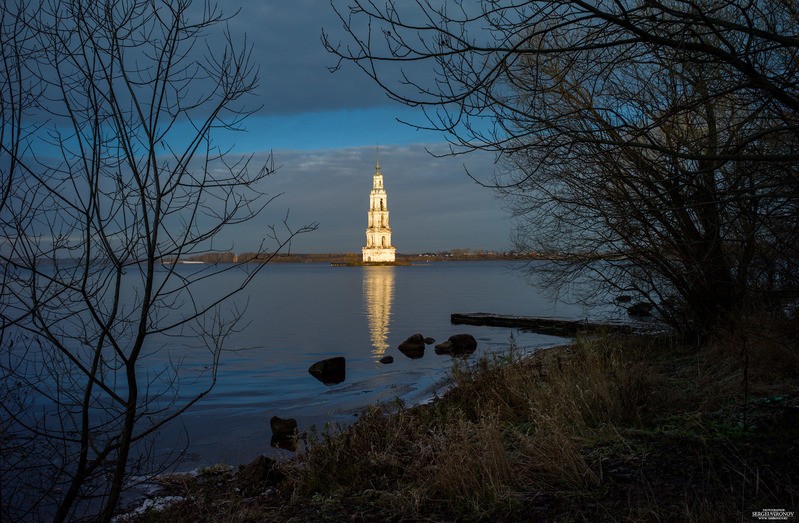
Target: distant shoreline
348, 258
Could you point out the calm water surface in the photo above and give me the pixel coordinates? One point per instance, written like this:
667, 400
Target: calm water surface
297, 314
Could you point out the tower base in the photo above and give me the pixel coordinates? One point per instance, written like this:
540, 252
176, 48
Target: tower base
379, 254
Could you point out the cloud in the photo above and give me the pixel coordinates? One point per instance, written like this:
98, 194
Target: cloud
286, 40
433, 204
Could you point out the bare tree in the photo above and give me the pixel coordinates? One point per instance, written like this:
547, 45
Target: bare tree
111, 176
659, 137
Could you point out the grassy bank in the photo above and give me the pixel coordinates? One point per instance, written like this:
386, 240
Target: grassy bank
610, 428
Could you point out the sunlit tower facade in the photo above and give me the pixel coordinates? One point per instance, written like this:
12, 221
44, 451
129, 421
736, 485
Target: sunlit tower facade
378, 234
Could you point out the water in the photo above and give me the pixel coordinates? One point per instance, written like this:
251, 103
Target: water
297, 314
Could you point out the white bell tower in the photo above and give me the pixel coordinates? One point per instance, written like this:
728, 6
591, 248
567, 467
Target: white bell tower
378, 234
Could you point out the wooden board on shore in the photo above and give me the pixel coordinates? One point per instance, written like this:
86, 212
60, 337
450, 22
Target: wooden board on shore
551, 326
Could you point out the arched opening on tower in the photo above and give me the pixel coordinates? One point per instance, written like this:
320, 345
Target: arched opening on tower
383, 241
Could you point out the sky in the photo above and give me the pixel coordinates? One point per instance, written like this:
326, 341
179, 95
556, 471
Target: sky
323, 129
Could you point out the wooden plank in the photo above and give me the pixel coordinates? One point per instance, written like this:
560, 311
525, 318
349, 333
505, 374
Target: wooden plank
542, 325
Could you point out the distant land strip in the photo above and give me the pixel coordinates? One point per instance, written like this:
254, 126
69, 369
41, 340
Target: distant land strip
352, 258
345, 258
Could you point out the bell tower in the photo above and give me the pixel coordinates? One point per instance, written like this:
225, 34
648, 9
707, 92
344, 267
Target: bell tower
378, 233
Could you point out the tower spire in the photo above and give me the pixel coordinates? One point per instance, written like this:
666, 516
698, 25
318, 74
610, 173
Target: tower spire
377, 153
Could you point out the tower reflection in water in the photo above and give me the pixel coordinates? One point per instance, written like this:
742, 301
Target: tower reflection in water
378, 293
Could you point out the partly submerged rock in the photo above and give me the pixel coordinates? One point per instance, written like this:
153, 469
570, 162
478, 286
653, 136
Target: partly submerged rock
284, 433
457, 345
413, 347
387, 359
429, 341
445, 347
283, 427
640, 309
284, 443
329, 371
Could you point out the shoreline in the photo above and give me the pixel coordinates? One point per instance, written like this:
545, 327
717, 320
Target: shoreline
354, 258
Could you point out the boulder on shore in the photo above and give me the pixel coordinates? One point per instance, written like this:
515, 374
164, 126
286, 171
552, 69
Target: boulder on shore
457, 345
260, 473
330, 371
413, 347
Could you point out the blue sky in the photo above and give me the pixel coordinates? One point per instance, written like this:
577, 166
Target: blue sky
330, 129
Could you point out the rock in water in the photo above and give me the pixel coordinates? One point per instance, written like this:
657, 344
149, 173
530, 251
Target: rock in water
283, 427
463, 342
387, 359
289, 444
284, 433
429, 341
457, 345
640, 309
413, 347
329, 371
445, 347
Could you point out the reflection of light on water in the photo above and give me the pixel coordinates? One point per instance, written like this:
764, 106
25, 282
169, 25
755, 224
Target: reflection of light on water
378, 293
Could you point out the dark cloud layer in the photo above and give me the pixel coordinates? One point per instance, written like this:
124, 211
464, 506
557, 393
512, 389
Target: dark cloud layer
286, 40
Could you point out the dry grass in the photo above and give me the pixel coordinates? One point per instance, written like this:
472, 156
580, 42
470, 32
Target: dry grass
512, 427
606, 429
